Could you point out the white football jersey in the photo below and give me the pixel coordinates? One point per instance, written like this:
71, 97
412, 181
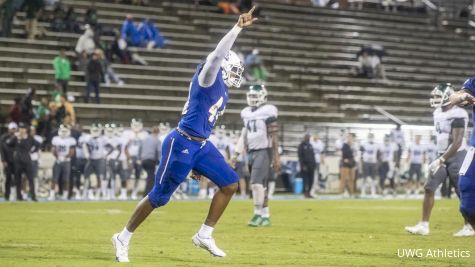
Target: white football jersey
318, 148
416, 153
431, 152
122, 143
112, 146
397, 136
62, 146
222, 144
370, 152
387, 152
443, 123
255, 120
81, 141
96, 146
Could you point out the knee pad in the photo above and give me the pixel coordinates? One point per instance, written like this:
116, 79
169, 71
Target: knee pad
157, 200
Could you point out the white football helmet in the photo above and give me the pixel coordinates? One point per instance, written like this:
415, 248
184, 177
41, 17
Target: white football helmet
440, 96
136, 125
64, 131
257, 95
109, 130
232, 70
96, 130
220, 131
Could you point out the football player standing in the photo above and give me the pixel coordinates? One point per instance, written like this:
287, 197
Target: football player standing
259, 138
450, 123
466, 96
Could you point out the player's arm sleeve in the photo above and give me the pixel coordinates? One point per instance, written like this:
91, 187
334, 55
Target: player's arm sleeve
458, 123
85, 148
208, 74
241, 143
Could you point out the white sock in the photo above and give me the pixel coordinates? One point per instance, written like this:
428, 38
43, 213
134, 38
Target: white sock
425, 224
258, 210
265, 212
205, 231
258, 195
125, 235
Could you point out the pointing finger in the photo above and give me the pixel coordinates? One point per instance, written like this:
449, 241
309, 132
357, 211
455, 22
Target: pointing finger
252, 10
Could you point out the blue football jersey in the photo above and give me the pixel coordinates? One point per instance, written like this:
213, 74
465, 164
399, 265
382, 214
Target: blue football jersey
204, 106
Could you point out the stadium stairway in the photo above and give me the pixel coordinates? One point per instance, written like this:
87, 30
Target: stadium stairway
309, 59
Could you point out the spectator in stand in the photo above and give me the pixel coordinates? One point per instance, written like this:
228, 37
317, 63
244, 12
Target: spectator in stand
32, 8
71, 21
369, 58
42, 116
66, 109
24, 144
118, 48
7, 13
348, 166
91, 16
307, 161
130, 33
150, 35
255, 67
150, 151
7, 147
94, 76
58, 16
62, 70
228, 7
15, 111
26, 106
109, 73
86, 42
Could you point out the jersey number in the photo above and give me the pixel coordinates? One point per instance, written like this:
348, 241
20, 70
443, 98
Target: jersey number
214, 111
251, 126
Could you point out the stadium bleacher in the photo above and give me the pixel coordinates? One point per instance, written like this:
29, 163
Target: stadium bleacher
308, 51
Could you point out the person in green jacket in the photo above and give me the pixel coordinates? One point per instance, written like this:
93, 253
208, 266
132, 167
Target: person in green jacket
62, 71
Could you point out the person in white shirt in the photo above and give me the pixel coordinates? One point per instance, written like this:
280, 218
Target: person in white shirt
35, 157
63, 150
369, 152
94, 150
318, 149
386, 155
416, 157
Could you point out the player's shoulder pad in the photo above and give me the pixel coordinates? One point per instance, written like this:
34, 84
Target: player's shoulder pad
270, 110
246, 112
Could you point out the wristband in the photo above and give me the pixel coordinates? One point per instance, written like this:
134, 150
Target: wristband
442, 159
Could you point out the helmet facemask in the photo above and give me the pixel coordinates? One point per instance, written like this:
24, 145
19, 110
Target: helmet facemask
440, 96
109, 130
96, 130
136, 125
64, 131
232, 70
257, 96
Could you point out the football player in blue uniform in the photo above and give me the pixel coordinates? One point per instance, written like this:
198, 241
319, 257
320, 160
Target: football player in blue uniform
187, 149
466, 96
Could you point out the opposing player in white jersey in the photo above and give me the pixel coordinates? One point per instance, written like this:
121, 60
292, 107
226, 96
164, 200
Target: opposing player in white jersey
164, 128
94, 151
112, 160
416, 157
80, 164
450, 123
259, 139
132, 148
123, 167
369, 155
63, 150
386, 158
318, 149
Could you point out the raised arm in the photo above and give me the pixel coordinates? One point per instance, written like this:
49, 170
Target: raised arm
210, 69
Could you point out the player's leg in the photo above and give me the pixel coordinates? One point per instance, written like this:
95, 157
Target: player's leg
260, 163
467, 187
373, 181
54, 180
137, 168
66, 173
453, 169
213, 165
31, 182
171, 172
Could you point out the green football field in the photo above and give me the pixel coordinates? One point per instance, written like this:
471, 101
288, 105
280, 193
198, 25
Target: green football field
304, 233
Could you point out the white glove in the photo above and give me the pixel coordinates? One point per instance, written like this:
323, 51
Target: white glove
435, 165
122, 44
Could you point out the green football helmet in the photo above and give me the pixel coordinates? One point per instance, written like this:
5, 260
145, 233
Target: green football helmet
257, 95
440, 95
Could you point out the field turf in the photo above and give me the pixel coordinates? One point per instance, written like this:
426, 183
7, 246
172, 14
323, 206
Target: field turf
304, 233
